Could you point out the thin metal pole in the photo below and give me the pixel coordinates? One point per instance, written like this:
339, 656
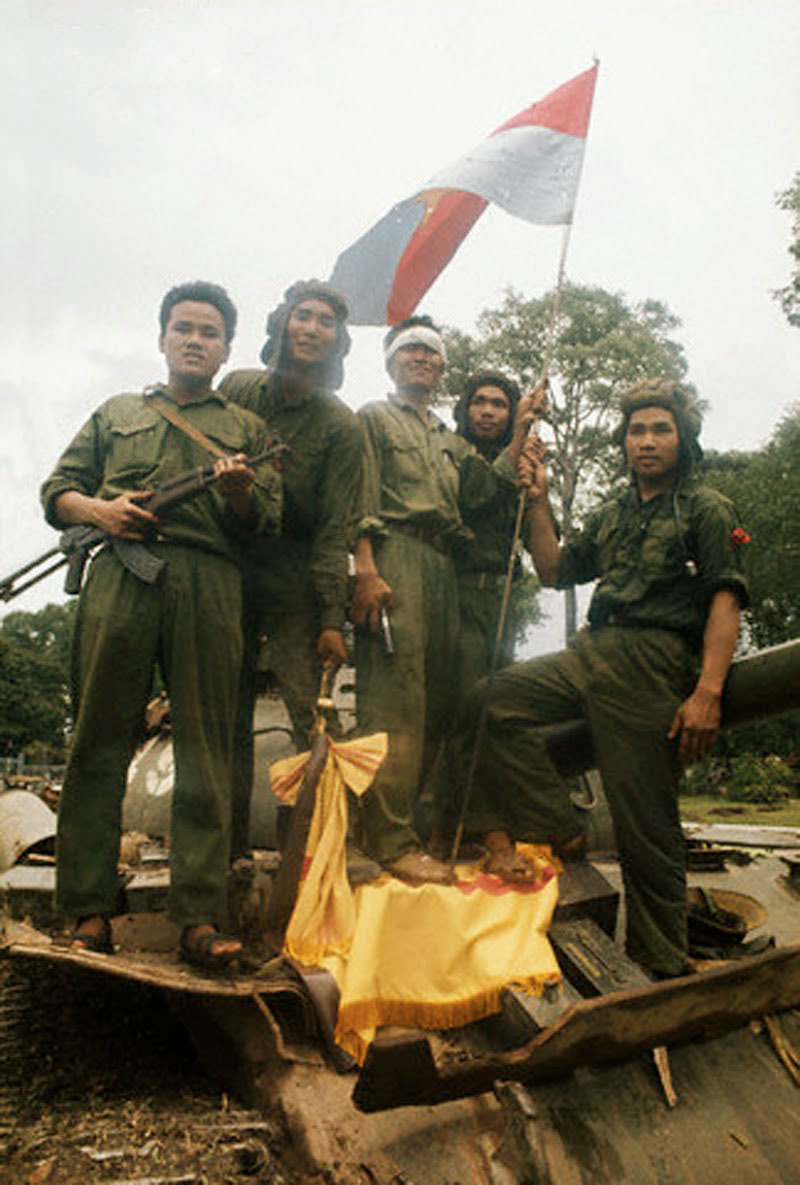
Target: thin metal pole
550, 340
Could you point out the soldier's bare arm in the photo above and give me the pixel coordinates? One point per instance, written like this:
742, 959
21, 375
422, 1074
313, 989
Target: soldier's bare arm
697, 721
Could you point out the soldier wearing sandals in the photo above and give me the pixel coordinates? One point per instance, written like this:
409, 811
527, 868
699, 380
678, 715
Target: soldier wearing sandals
187, 621
647, 673
421, 479
296, 592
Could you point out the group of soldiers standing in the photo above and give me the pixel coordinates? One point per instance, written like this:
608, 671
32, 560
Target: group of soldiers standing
425, 517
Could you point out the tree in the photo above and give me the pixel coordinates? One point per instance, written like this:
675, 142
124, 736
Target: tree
598, 345
35, 679
789, 296
765, 485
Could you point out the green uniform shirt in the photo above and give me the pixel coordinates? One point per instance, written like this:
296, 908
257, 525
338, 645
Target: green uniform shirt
128, 445
322, 481
492, 529
424, 474
659, 562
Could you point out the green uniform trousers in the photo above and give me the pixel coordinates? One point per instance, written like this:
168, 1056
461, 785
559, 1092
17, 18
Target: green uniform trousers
292, 659
410, 694
626, 683
189, 622
479, 613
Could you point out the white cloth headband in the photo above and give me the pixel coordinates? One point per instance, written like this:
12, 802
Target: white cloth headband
417, 335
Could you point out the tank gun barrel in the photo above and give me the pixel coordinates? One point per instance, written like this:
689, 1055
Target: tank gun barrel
765, 683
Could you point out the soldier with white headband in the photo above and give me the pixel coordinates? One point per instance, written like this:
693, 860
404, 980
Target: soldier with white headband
420, 479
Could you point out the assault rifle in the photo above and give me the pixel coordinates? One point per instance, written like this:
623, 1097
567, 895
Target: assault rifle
77, 543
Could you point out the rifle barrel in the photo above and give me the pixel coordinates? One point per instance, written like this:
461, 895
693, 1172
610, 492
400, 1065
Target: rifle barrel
7, 590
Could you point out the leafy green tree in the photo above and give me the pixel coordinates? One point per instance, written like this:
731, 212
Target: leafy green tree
765, 485
35, 679
789, 296
595, 346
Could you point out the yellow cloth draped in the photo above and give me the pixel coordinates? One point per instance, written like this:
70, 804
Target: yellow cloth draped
437, 957
324, 915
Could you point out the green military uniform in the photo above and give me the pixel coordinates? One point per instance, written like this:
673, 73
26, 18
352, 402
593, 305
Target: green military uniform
481, 567
420, 480
188, 621
659, 564
298, 586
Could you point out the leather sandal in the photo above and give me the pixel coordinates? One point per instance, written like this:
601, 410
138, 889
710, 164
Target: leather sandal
418, 868
198, 951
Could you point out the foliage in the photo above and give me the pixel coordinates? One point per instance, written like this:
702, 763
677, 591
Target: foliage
595, 346
789, 296
35, 679
765, 486
759, 779
523, 608
704, 777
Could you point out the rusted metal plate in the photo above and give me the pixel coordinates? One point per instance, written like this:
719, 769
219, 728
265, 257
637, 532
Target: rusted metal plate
607, 1029
735, 1120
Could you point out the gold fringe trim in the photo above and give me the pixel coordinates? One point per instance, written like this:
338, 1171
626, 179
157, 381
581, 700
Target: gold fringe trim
367, 1015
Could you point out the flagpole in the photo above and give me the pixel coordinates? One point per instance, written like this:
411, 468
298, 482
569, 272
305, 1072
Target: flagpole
550, 342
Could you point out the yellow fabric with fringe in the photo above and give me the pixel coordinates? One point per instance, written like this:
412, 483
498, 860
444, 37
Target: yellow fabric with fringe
439, 956
324, 915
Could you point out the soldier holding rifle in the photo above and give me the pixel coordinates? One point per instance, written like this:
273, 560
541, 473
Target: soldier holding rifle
187, 620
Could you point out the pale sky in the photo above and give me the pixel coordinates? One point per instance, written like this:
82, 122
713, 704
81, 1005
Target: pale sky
250, 141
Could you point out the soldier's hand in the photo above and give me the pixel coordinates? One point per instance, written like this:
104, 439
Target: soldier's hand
371, 594
234, 476
533, 404
531, 407
122, 517
531, 471
331, 647
696, 725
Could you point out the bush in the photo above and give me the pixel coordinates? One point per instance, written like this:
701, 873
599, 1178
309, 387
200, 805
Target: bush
759, 779
706, 777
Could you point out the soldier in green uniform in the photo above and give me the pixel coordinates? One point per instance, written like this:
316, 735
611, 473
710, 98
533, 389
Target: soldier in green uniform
484, 416
421, 479
187, 621
647, 673
296, 593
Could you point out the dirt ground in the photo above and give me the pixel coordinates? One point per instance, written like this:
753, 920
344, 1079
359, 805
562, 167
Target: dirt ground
105, 1087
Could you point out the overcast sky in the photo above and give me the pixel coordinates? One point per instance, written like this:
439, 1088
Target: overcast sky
250, 141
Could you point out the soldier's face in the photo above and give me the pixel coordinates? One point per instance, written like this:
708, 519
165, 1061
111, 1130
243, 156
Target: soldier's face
652, 445
416, 367
311, 332
194, 342
489, 412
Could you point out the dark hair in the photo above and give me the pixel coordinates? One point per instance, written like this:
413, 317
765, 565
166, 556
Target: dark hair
409, 323
332, 375
206, 292
673, 397
486, 378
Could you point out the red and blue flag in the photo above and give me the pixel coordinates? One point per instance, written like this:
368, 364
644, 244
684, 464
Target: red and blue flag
530, 166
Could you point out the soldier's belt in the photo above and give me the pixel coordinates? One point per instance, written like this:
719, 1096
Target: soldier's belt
432, 538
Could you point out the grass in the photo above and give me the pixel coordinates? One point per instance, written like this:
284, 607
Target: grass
706, 808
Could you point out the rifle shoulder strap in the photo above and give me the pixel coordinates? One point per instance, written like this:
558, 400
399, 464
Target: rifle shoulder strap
174, 416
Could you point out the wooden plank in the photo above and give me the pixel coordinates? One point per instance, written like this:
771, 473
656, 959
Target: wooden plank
606, 1029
